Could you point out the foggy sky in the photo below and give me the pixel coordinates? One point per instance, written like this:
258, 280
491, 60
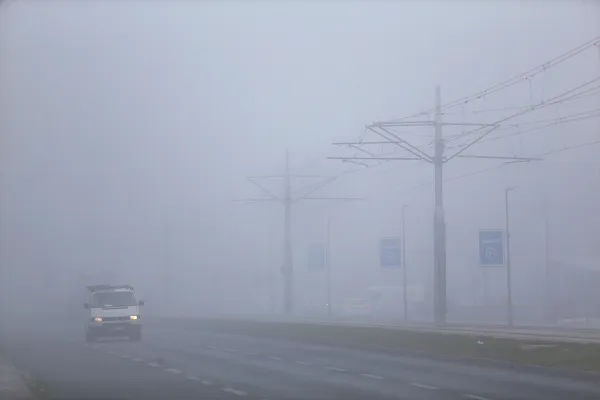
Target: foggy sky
128, 129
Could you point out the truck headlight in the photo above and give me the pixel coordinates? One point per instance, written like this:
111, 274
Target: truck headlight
133, 317
97, 319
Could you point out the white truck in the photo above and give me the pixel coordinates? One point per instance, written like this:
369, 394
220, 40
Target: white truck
112, 310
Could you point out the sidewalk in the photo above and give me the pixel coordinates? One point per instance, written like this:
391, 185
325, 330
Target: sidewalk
12, 385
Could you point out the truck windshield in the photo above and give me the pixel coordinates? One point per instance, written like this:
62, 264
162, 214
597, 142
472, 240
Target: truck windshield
112, 299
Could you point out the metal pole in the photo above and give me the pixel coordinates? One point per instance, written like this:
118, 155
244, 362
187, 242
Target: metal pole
328, 283
549, 313
288, 272
509, 306
404, 294
439, 224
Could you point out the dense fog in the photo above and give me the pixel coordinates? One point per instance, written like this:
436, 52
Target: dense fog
128, 131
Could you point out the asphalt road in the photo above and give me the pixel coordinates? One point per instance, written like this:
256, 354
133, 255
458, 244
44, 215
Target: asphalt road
177, 364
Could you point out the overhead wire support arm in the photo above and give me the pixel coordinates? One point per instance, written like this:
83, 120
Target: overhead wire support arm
415, 150
334, 198
264, 190
366, 143
403, 144
375, 158
291, 176
356, 162
525, 159
255, 200
472, 143
403, 123
362, 150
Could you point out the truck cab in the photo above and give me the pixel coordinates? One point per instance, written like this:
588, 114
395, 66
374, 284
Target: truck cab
112, 310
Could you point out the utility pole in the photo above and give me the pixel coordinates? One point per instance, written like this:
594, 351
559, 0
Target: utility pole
288, 201
404, 272
438, 159
509, 305
328, 279
288, 268
548, 291
439, 220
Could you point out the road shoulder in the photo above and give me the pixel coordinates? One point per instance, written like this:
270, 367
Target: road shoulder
12, 382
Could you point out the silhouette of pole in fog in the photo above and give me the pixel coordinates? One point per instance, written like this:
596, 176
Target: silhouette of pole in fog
438, 159
288, 201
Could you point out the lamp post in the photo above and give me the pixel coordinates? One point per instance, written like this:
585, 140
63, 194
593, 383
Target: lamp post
509, 305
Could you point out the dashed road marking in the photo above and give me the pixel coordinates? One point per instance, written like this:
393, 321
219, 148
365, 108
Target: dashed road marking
154, 365
336, 369
137, 359
302, 363
230, 350
275, 358
474, 397
173, 370
124, 356
211, 347
192, 378
249, 353
422, 386
370, 376
234, 391
206, 383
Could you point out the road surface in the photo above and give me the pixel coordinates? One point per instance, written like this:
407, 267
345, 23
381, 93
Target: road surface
177, 364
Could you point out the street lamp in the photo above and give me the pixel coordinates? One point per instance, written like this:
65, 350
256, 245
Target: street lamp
509, 306
404, 294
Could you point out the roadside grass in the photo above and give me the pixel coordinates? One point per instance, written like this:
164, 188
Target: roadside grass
38, 387
575, 356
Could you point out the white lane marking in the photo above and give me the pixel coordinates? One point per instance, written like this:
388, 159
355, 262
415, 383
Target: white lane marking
207, 383
124, 356
234, 391
370, 376
192, 378
275, 358
422, 386
154, 365
137, 359
230, 350
303, 363
249, 353
173, 370
336, 369
474, 397
211, 347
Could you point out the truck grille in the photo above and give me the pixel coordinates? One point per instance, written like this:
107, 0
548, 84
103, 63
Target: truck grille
108, 319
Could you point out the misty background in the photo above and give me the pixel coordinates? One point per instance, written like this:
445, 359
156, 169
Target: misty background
127, 131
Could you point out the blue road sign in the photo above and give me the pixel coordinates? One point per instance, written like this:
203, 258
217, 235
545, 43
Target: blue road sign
491, 247
389, 252
317, 256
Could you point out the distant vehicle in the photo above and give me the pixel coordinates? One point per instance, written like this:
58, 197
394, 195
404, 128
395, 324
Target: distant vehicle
383, 302
112, 311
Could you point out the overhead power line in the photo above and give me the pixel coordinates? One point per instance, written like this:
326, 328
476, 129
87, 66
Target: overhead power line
512, 81
549, 123
482, 171
534, 107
